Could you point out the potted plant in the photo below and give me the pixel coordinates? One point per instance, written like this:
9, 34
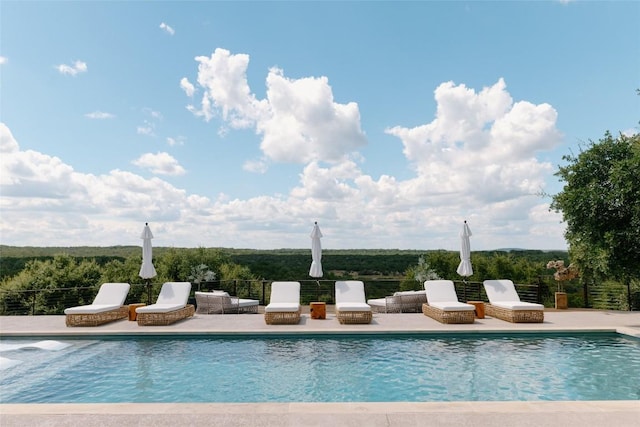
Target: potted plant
561, 275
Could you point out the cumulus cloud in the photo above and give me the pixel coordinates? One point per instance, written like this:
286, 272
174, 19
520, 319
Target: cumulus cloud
475, 160
8, 144
299, 120
99, 115
73, 69
483, 143
167, 29
187, 87
160, 163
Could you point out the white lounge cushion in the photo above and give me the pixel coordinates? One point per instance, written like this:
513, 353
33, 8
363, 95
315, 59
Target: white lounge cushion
159, 308
502, 293
408, 293
285, 297
350, 296
276, 307
500, 290
442, 294
353, 306
110, 296
518, 305
246, 302
175, 293
91, 309
173, 296
452, 306
377, 302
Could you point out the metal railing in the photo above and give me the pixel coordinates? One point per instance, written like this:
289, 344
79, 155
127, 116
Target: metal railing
54, 301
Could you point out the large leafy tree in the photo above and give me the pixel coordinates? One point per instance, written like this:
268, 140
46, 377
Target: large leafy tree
600, 203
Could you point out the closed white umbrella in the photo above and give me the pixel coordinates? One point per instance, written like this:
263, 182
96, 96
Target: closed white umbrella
464, 268
147, 270
316, 252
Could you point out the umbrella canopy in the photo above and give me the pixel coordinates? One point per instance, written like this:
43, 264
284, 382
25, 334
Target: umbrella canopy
147, 270
465, 269
316, 252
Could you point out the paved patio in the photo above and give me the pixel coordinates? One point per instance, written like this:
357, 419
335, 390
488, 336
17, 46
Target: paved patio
618, 413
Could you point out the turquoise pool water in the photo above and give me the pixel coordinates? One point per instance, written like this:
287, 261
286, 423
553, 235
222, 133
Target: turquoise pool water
322, 369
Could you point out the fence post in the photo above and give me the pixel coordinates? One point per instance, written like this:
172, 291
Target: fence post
33, 302
585, 292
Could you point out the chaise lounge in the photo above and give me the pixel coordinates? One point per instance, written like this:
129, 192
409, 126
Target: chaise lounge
443, 305
351, 307
505, 304
284, 304
106, 307
170, 306
220, 302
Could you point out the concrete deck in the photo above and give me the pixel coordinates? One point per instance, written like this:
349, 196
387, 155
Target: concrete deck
618, 413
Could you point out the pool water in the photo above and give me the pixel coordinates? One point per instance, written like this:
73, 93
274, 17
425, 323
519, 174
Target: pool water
323, 369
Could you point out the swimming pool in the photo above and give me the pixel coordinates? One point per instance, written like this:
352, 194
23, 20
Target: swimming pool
413, 368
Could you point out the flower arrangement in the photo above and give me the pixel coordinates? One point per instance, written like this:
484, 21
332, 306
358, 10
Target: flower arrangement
562, 273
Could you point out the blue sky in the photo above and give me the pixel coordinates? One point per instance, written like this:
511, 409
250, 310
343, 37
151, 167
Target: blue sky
239, 124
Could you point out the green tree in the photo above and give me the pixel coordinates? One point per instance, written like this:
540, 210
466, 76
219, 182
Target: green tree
600, 203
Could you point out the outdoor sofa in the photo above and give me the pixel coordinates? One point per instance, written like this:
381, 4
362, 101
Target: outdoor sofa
399, 302
220, 302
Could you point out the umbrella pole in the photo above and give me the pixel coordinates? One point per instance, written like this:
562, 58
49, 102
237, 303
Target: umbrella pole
148, 292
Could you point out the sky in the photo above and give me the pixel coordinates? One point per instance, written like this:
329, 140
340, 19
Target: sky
240, 124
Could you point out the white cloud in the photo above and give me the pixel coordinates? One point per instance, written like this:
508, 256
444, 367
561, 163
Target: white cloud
99, 115
167, 29
187, 87
483, 143
3, 60
8, 144
72, 70
160, 163
475, 160
256, 166
179, 140
299, 121
145, 130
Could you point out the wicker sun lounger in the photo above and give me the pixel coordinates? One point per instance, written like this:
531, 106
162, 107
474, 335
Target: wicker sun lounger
351, 307
284, 304
170, 306
106, 307
219, 302
443, 305
505, 304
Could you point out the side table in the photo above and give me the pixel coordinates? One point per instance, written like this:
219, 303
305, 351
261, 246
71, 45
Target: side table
132, 311
318, 310
479, 305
